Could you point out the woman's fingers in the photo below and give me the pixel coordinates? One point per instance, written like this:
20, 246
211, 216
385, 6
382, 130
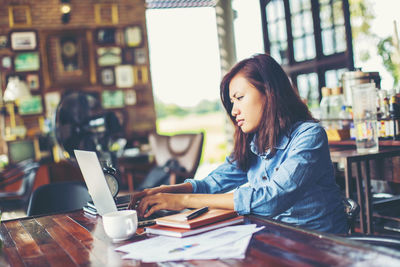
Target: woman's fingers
135, 198
153, 209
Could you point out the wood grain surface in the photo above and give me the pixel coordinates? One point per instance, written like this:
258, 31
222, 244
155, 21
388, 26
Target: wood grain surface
78, 239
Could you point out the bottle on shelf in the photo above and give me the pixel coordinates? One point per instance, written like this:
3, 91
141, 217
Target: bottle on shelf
336, 102
324, 107
345, 117
394, 111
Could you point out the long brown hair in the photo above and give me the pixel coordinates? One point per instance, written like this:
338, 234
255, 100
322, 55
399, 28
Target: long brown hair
283, 106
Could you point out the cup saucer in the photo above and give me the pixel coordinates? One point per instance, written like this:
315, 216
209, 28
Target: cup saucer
117, 240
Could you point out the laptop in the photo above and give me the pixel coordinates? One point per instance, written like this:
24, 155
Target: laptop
95, 181
101, 194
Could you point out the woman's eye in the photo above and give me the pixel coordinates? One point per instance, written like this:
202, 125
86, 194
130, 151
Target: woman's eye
239, 97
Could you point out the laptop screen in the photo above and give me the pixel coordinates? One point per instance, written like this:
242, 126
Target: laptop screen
95, 181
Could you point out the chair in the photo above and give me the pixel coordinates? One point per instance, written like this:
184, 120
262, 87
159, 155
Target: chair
185, 148
16, 184
352, 210
58, 197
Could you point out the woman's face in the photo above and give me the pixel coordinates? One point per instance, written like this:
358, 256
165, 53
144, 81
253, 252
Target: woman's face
247, 103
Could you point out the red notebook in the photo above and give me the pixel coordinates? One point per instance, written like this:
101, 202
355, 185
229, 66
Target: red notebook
179, 232
179, 220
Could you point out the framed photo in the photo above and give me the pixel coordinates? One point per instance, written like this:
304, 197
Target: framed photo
141, 75
109, 56
140, 56
3, 41
124, 76
106, 36
107, 76
106, 13
112, 99
130, 97
129, 56
68, 63
32, 105
23, 41
28, 61
6, 63
133, 36
33, 81
19, 16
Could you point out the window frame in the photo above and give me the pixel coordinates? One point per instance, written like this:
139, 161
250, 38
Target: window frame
321, 63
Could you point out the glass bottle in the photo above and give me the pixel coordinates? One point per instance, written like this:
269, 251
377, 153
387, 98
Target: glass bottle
324, 106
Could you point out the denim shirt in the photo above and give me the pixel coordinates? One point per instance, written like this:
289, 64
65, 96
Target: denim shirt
296, 185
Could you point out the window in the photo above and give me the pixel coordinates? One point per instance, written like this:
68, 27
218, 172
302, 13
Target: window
311, 39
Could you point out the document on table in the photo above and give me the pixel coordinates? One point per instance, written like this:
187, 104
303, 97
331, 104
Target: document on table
227, 242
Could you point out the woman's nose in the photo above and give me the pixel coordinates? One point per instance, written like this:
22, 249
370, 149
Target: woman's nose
234, 111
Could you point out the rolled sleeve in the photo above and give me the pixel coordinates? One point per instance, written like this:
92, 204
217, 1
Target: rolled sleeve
242, 200
226, 177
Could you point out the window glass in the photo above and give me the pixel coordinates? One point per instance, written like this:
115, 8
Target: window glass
271, 11
338, 13
298, 45
333, 78
310, 47
340, 39
325, 15
297, 30
308, 22
307, 85
327, 42
295, 6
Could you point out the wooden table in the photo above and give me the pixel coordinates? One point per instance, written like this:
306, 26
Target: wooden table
75, 238
363, 178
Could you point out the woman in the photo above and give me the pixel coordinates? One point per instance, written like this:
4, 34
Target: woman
279, 150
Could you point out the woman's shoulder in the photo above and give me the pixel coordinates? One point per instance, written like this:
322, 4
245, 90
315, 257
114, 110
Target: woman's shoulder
307, 127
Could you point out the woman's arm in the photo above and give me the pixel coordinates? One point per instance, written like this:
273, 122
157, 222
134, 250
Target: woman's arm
169, 201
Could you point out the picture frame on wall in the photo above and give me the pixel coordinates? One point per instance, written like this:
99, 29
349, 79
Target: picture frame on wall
124, 77
67, 59
23, 41
106, 36
28, 61
140, 56
133, 36
112, 99
32, 81
109, 56
141, 75
31, 106
128, 56
3, 41
130, 97
107, 76
6, 63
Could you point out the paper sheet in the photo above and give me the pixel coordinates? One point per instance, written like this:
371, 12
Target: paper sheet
227, 242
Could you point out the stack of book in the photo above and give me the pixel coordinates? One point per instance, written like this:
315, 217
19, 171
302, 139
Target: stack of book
178, 225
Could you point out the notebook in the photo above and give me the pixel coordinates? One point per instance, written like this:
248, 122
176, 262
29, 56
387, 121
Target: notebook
95, 181
179, 220
179, 232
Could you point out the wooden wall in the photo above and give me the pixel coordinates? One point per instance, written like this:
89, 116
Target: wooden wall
90, 55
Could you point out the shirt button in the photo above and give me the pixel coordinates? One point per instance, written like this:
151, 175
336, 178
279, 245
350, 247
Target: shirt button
264, 177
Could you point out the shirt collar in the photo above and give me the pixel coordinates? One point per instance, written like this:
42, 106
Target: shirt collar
282, 144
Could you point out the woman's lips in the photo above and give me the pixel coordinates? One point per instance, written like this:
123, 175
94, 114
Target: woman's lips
240, 123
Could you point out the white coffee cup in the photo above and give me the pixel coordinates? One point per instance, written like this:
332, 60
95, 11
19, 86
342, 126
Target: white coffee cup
120, 225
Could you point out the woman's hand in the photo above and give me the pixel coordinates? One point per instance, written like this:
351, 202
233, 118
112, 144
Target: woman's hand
146, 192
151, 203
